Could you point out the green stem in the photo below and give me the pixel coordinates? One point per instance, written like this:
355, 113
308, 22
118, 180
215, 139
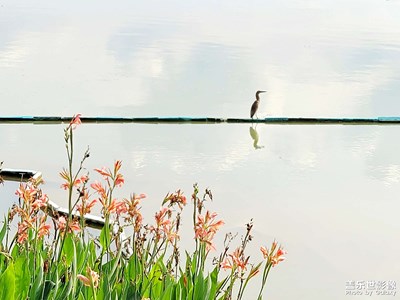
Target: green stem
71, 184
194, 217
264, 279
228, 293
70, 187
240, 289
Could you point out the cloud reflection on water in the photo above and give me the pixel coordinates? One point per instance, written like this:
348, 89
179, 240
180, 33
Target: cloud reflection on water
327, 192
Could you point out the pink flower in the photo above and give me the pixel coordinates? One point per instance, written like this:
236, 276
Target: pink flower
133, 204
74, 226
103, 172
117, 166
27, 192
121, 207
24, 226
62, 223
160, 217
176, 198
119, 180
98, 187
40, 202
66, 185
76, 120
164, 226
131, 210
278, 257
44, 229
64, 174
116, 176
92, 278
114, 206
169, 232
23, 231
85, 208
273, 257
22, 237
81, 180
206, 227
235, 261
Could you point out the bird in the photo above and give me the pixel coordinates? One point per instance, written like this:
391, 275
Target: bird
255, 105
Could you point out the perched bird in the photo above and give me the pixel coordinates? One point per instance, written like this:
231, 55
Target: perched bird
254, 107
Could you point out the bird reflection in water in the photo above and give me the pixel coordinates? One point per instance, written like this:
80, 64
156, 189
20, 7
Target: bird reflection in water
255, 137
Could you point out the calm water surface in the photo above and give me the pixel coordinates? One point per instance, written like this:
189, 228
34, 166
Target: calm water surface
329, 194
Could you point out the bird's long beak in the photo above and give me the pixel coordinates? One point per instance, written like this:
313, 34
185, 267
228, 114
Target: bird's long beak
263, 91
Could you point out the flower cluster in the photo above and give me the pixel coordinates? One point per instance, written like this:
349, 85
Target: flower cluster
113, 179
85, 206
62, 225
235, 261
164, 227
68, 181
275, 255
206, 228
115, 176
175, 198
132, 210
32, 200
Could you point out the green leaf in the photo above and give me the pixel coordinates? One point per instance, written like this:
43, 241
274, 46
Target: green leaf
105, 237
48, 287
15, 253
177, 292
134, 269
190, 294
3, 231
80, 296
82, 257
22, 278
185, 284
56, 279
212, 281
68, 249
193, 262
100, 291
132, 293
199, 287
114, 264
105, 287
37, 286
7, 283
156, 284
167, 293
74, 273
146, 286
92, 253
69, 289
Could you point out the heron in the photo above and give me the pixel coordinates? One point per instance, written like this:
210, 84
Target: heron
255, 105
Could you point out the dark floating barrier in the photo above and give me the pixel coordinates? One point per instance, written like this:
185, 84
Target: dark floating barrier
199, 120
18, 175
